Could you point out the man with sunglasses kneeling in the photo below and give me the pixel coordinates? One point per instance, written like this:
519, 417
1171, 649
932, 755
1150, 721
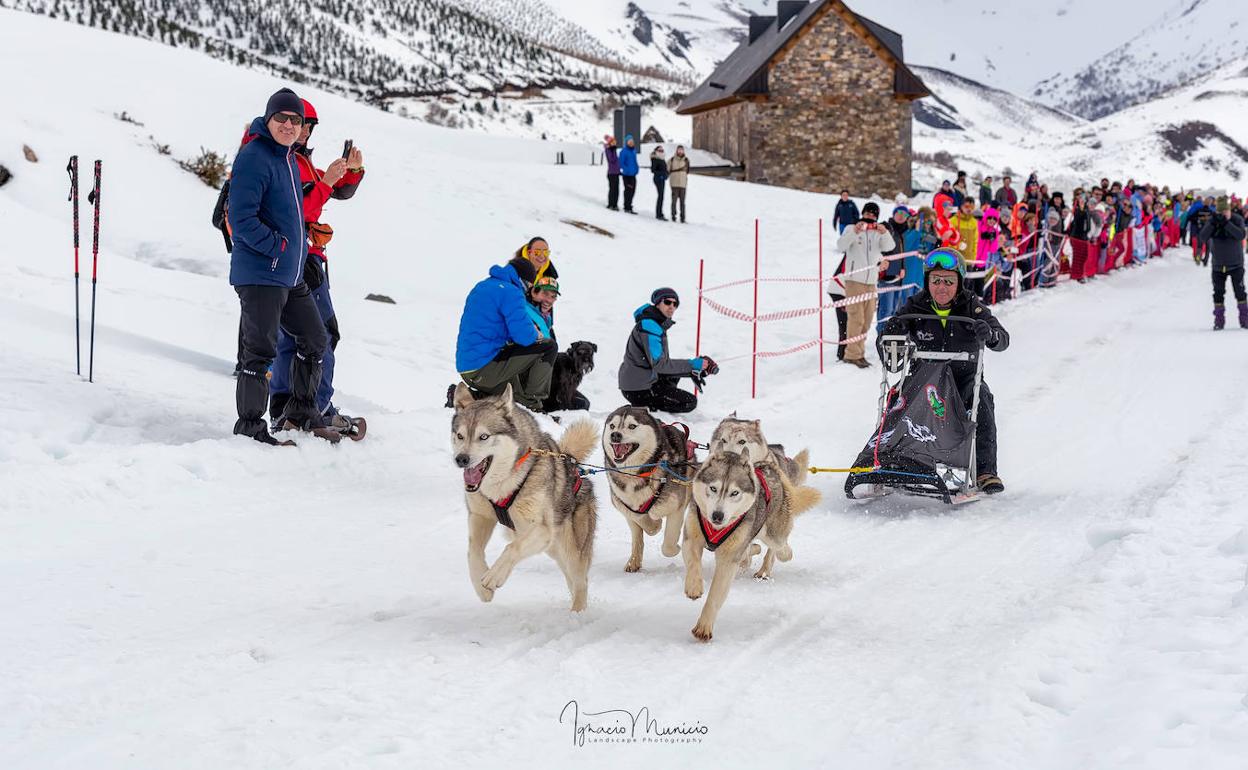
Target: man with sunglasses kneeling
945, 294
648, 374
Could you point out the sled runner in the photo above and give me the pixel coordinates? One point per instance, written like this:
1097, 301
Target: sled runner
924, 442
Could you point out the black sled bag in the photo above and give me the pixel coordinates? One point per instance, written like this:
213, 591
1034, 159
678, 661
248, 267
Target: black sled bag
925, 425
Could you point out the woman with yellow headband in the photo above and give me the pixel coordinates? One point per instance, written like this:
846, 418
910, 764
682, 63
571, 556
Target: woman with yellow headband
537, 251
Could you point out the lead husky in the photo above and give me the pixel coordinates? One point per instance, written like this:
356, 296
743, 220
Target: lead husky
746, 436
649, 495
734, 502
541, 498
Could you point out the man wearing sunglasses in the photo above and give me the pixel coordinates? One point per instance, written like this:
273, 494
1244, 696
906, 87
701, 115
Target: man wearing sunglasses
944, 294
648, 374
266, 269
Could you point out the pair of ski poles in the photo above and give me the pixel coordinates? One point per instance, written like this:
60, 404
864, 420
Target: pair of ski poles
94, 199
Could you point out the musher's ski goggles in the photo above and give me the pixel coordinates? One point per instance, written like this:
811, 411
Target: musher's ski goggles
943, 259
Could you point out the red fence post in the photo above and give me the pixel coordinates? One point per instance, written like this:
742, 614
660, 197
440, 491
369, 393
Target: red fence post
697, 339
820, 295
754, 356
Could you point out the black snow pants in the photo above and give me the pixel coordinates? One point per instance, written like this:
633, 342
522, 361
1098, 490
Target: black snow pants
264, 309
663, 396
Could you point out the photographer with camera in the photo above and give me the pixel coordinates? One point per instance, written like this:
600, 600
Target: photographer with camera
338, 181
1224, 235
648, 374
864, 245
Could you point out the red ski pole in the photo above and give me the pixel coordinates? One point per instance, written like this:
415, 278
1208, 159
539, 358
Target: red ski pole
72, 168
94, 199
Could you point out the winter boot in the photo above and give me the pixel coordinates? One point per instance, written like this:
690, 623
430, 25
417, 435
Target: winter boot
353, 428
989, 484
1219, 317
1243, 315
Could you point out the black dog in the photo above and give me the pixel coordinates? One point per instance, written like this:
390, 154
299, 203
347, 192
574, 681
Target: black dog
571, 367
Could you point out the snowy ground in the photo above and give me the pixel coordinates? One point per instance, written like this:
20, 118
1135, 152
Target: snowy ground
176, 596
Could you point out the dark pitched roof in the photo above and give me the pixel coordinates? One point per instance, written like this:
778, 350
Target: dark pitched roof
744, 72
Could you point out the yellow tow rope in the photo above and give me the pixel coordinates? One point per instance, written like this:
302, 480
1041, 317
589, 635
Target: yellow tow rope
867, 469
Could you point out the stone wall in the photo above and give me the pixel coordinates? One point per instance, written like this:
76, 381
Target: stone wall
832, 121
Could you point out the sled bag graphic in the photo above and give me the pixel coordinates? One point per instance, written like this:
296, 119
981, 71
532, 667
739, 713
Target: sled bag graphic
926, 425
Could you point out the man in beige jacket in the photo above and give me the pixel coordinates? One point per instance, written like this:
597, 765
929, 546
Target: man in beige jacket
678, 168
864, 245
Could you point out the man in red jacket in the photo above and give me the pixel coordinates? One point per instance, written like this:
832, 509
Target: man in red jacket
339, 181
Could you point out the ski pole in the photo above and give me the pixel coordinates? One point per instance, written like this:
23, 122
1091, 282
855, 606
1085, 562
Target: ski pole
94, 198
72, 168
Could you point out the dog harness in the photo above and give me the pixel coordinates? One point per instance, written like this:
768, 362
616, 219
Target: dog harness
502, 508
689, 456
715, 537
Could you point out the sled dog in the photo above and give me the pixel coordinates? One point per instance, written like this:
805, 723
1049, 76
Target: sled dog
647, 496
541, 500
746, 437
734, 503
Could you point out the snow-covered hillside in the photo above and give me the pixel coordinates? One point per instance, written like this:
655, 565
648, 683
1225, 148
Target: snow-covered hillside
177, 596
1185, 43
1193, 136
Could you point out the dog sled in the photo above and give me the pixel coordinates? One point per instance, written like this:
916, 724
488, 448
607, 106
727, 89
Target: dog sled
924, 442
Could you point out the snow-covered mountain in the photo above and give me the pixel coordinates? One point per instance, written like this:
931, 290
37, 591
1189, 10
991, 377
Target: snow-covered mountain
1186, 42
1193, 136
431, 59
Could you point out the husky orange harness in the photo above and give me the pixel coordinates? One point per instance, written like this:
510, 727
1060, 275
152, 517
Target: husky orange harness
502, 508
715, 537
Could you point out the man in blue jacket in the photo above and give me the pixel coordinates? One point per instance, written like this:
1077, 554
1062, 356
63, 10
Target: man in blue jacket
500, 340
629, 169
266, 271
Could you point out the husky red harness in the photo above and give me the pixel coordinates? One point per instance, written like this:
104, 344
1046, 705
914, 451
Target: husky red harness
502, 508
689, 456
715, 537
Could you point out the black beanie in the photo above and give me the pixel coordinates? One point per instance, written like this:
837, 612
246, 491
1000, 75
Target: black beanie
284, 100
871, 207
524, 269
664, 293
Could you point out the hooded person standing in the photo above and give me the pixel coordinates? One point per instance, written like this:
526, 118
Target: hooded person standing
612, 154
1224, 233
846, 214
864, 245
648, 374
679, 168
266, 270
658, 169
629, 170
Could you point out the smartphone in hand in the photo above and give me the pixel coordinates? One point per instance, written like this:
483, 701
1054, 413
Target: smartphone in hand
346, 148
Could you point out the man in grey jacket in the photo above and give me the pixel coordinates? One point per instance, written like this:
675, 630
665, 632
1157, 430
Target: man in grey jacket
1224, 232
648, 374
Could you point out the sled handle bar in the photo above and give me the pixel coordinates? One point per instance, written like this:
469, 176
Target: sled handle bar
932, 316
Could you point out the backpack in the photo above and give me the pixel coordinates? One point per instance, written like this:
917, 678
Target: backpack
221, 216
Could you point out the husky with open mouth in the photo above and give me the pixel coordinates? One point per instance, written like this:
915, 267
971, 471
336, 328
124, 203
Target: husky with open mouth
512, 479
736, 502
647, 460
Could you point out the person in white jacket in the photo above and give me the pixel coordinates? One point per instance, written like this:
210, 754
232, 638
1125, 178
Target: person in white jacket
864, 245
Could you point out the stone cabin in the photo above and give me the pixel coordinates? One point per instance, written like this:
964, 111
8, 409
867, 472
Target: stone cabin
816, 98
